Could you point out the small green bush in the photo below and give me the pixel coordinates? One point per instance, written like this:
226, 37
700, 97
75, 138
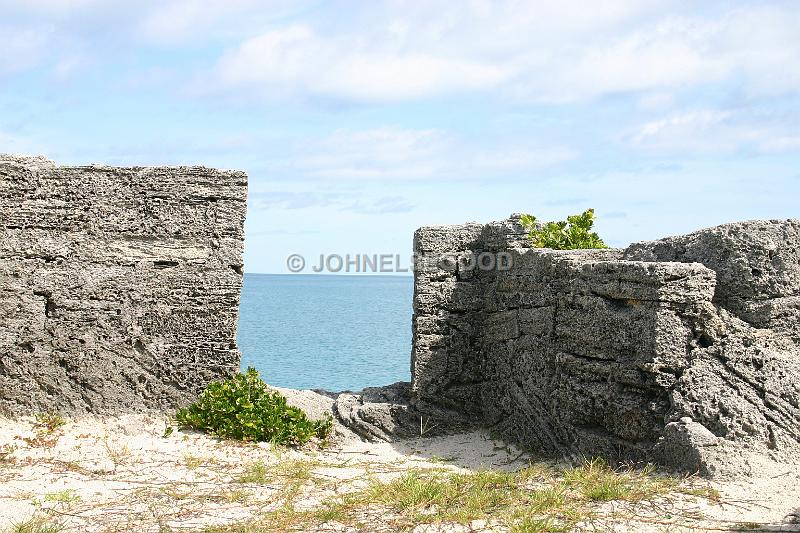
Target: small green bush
571, 234
244, 408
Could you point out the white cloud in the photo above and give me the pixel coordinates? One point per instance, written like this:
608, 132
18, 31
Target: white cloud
21, 48
296, 58
664, 57
717, 131
749, 47
656, 100
294, 199
392, 51
532, 52
65, 36
48, 7
353, 201
46, 35
788, 143
173, 21
681, 123
181, 22
519, 158
392, 153
761, 44
382, 206
374, 154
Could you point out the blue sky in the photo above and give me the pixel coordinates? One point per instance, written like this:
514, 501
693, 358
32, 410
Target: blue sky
358, 122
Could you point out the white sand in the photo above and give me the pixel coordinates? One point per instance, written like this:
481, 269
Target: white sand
122, 474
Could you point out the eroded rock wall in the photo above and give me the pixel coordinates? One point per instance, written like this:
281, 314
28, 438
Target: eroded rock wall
583, 353
757, 264
119, 287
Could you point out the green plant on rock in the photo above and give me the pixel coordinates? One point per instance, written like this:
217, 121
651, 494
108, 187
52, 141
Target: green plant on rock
245, 408
575, 233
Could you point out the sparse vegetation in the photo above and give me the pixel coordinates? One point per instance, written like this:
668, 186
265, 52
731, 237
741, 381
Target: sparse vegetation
533, 499
47, 430
748, 526
257, 472
235, 496
5, 453
117, 454
35, 525
709, 493
49, 421
572, 234
244, 408
596, 481
193, 462
66, 496
271, 488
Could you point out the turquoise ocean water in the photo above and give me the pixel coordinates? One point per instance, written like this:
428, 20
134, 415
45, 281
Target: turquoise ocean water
329, 332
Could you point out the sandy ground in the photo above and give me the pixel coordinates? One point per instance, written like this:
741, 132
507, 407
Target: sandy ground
124, 474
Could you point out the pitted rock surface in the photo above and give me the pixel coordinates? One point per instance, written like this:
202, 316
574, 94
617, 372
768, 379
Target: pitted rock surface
119, 287
757, 265
386, 414
610, 352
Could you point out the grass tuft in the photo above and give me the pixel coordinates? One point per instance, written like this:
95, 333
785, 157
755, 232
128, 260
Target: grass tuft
66, 496
49, 421
35, 525
257, 473
596, 481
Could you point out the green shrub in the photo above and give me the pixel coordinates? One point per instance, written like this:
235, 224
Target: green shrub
244, 408
571, 234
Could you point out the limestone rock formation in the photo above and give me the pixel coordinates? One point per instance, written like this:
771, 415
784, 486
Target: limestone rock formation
683, 351
757, 265
388, 414
379, 413
119, 287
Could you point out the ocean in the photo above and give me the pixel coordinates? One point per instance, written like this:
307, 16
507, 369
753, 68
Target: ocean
330, 332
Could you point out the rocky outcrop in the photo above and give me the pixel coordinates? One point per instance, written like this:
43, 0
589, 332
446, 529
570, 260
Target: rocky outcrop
119, 287
757, 266
388, 414
119, 292
683, 351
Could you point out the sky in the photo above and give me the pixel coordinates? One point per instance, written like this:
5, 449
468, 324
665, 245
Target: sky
358, 122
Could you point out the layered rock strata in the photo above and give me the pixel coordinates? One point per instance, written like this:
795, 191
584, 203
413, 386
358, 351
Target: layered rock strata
119, 287
684, 350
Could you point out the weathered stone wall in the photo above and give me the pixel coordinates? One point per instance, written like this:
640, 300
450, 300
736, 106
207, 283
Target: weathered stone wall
757, 265
583, 353
119, 287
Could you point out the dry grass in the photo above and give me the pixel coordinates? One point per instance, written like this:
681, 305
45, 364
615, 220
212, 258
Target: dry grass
36, 525
47, 430
533, 499
190, 481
